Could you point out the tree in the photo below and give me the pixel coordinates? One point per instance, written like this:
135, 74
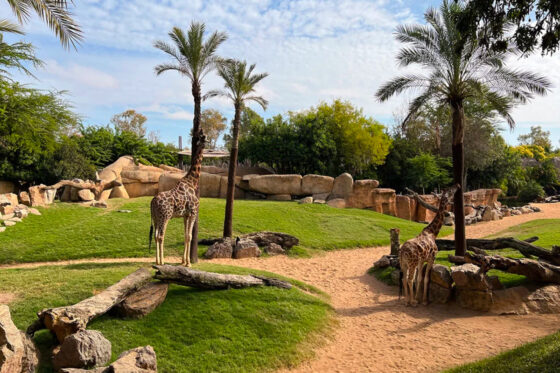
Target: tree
15, 56
536, 137
193, 57
130, 121
426, 171
249, 120
213, 123
54, 13
459, 68
536, 24
239, 83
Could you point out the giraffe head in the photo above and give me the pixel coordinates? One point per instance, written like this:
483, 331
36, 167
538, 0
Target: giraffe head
447, 194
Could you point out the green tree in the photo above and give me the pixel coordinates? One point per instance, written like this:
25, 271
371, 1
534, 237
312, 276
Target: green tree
213, 123
239, 83
249, 120
130, 121
193, 57
536, 137
457, 68
427, 172
54, 13
536, 24
15, 56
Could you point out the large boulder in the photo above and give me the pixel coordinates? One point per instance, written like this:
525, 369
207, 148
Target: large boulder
522, 300
40, 197
277, 184
11, 343
137, 360
279, 197
423, 214
223, 248
119, 192
210, 185
314, 184
439, 294
246, 248
143, 301
338, 203
24, 198
140, 174
141, 189
473, 288
362, 194
343, 186
441, 275
265, 238
274, 249
238, 192
405, 207
83, 349
86, 195
9, 198
385, 201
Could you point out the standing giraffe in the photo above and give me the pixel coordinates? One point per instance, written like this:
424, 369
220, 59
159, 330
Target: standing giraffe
419, 250
181, 201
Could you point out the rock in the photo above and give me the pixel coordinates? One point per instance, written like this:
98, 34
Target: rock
83, 349
9, 223
30, 359
139, 189
406, 207
211, 185
2, 229
246, 248
439, 294
143, 301
277, 184
362, 194
525, 210
94, 370
321, 196
306, 200
478, 300
223, 248
15, 220
535, 208
7, 187
274, 249
468, 276
441, 276
86, 195
522, 300
515, 212
137, 360
6, 209
265, 238
168, 181
40, 197
9, 198
21, 213
382, 262
66, 195
6, 217
120, 192
279, 197
33, 211
422, 214
314, 184
319, 201
385, 201
343, 186
338, 203
487, 214
12, 348
100, 204
140, 174
495, 283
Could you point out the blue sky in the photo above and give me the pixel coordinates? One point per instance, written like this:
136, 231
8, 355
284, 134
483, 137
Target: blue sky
314, 50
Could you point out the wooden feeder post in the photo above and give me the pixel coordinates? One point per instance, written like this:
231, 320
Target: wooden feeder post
395, 243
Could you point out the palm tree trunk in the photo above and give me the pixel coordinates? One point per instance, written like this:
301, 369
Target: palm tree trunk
228, 220
458, 173
195, 136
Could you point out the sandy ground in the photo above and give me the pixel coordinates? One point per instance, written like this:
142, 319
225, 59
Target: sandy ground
376, 332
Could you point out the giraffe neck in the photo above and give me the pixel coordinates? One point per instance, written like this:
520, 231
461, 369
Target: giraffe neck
194, 172
435, 225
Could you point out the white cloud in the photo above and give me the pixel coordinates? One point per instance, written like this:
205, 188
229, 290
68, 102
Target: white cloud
82, 75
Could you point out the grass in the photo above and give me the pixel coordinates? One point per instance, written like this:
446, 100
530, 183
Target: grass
249, 330
542, 356
68, 231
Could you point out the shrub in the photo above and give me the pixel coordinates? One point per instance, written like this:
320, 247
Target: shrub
531, 191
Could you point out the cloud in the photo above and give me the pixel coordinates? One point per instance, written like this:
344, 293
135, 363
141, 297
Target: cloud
82, 75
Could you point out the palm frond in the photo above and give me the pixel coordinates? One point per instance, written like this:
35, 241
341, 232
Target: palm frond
399, 85
7, 26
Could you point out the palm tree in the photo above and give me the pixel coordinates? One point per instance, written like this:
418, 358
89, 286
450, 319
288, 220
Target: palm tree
239, 84
454, 68
53, 12
193, 57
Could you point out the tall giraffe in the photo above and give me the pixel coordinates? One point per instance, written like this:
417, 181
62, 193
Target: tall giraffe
181, 201
422, 249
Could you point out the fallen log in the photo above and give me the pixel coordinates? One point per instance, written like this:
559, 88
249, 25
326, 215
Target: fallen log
63, 321
524, 247
532, 269
215, 281
95, 187
419, 199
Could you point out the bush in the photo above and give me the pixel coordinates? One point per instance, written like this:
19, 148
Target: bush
531, 191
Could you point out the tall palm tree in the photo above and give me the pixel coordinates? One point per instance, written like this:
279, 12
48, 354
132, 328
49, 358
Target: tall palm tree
193, 57
454, 68
54, 13
239, 84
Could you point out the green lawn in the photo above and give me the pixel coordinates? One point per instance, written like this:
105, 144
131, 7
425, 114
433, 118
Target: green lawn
68, 231
249, 330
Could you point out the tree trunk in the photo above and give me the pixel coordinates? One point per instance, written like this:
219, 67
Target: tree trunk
228, 219
196, 132
533, 270
419, 199
524, 247
395, 242
64, 321
458, 173
214, 281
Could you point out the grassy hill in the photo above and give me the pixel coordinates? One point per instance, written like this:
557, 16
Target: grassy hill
69, 231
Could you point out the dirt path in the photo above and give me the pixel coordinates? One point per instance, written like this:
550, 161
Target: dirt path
376, 332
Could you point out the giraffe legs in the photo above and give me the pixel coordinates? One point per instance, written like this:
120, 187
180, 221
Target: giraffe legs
188, 222
429, 265
410, 283
404, 281
160, 237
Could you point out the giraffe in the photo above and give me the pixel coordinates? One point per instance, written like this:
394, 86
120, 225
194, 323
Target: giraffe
181, 201
419, 250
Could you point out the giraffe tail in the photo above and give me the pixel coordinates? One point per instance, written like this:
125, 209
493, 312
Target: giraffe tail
150, 237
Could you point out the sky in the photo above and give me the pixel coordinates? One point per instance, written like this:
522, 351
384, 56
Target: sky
314, 51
